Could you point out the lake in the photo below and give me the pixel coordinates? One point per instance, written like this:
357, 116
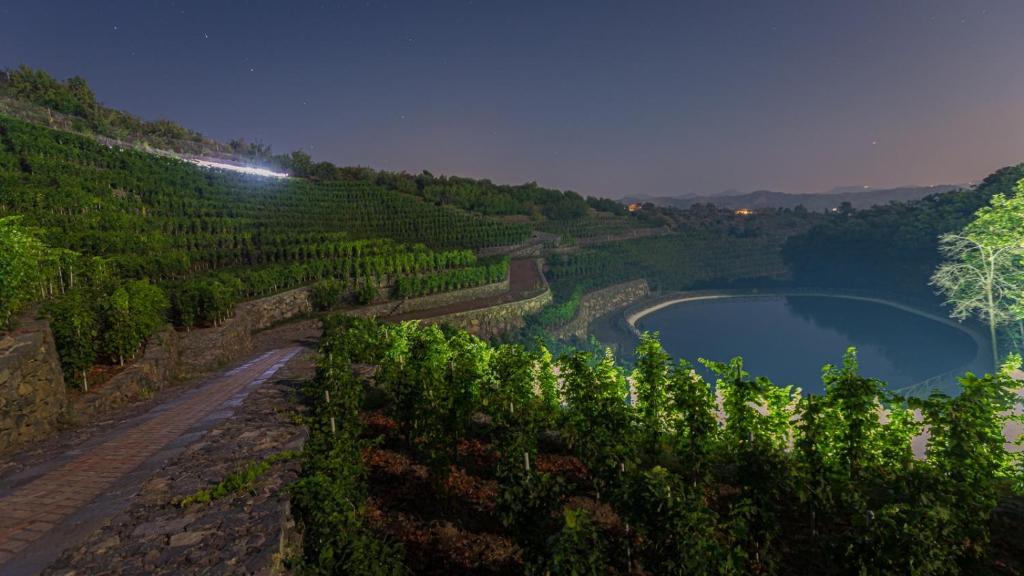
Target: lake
789, 338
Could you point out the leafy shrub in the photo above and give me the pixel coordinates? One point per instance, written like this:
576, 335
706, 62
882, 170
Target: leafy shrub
326, 294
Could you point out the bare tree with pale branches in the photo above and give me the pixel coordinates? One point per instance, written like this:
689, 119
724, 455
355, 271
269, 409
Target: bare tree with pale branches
983, 274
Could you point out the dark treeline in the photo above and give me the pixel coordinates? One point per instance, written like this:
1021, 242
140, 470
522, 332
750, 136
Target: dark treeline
892, 248
670, 479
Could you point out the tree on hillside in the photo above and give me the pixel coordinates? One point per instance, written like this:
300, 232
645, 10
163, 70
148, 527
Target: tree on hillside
75, 328
982, 275
26, 264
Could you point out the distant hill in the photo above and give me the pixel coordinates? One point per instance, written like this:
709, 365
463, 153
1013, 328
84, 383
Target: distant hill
890, 249
818, 202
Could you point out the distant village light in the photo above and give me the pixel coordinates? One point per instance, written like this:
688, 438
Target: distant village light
635, 206
744, 212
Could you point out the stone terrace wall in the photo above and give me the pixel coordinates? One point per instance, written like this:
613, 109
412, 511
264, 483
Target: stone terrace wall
595, 304
496, 320
206, 348
173, 356
34, 400
441, 300
32, 395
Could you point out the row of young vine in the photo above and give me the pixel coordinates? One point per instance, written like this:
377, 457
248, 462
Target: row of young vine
115, 243
742, 477
454, 279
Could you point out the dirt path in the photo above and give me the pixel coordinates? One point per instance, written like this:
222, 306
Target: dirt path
525, 280
56, 499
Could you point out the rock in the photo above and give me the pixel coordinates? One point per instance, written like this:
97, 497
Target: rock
159, 527
108, 544
149, 560
189, 538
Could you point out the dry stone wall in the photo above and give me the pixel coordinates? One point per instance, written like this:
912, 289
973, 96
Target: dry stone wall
33, 400
497, 320
595, 304
432, 301
206, 348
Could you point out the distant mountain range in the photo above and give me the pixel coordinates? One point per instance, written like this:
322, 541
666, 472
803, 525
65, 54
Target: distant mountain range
818, 202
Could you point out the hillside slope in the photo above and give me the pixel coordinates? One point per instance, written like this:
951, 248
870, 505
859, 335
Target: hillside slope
890, 248
132, 237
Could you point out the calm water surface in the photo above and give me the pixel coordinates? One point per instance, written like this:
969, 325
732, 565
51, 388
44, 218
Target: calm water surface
789, 338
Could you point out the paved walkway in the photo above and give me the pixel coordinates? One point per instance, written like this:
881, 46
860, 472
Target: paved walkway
39, 502
525, 279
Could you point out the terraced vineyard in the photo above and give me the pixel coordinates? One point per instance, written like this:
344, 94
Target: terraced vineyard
600, 228
196, 241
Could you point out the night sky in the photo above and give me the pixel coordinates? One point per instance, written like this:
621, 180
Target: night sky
603, 97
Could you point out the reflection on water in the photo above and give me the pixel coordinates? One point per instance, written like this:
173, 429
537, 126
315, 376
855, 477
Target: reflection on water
789, 338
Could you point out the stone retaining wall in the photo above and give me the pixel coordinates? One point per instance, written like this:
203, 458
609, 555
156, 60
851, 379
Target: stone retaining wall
595, 304
206, 348
33, 400
497, 320
432, 301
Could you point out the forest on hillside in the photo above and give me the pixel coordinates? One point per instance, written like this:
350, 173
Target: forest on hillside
893, 247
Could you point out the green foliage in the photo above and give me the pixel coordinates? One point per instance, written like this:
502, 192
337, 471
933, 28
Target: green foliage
74, 98
119, 337
453, 279
767, 482
238, 481
691, 416
675, 527
578, 549
329, 498
326, 294
650, 377
26, 266
208, 239
130, 314
983, 274
75, 327
527, 497
367, 293
966, 452
692, 257
546, 380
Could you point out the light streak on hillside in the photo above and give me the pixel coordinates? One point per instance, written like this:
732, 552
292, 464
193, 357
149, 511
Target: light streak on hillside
251, 170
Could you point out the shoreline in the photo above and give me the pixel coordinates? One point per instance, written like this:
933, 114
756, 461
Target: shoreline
634, 317
626, 320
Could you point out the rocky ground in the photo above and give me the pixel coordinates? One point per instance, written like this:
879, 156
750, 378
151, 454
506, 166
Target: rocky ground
237, 534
